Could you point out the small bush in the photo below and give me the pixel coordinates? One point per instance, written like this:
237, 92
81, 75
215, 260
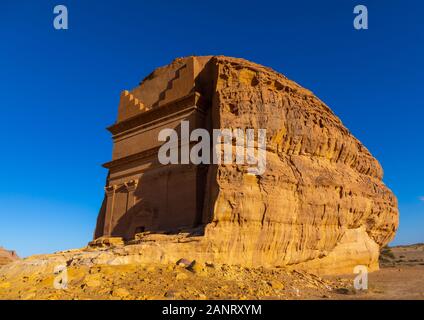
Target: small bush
387, 253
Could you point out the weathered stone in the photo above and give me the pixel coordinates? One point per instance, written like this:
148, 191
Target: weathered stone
196, 267
276, 285
120, 293
181, 276
320, 204
105, 242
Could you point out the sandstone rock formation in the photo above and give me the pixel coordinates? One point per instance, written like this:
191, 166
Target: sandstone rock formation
7, 256
320, 204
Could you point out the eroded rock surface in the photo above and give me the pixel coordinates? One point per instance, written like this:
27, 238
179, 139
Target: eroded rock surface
7, 256
321, 203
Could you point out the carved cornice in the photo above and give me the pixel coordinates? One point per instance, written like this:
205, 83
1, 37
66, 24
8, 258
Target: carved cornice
138, 156
134, 157
193, 101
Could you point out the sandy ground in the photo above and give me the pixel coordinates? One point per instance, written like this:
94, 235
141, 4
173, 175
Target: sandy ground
170, 282
398, 283
401, 277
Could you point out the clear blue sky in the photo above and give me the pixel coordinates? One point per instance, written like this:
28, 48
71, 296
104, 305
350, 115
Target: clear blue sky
60, 89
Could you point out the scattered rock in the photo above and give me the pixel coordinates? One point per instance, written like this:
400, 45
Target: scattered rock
93, 281
151, 268
276, 284
184, 263
170, 294
344, 291
106, 242
197, 267
120, 293
181, 276
4, 285
28, 296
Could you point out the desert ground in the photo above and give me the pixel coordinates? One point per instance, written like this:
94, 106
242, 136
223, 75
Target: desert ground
400, 277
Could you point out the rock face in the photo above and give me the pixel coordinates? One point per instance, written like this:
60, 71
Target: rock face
320, 205
7, 256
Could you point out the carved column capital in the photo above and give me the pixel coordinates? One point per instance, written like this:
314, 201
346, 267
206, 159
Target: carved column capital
110, 190
131, 185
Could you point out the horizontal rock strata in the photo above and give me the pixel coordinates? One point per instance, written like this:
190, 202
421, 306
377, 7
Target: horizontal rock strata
320, 203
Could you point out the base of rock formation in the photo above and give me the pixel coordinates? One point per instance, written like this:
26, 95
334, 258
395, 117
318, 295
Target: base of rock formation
127, 272
354, 248
115, 271
172, 266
